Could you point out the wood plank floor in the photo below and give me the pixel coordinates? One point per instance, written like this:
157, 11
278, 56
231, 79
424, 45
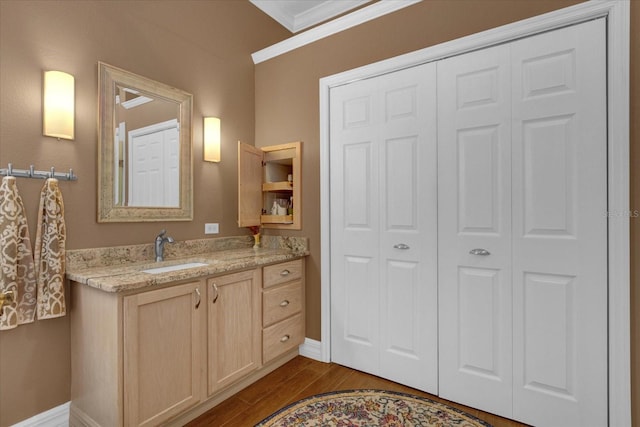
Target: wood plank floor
303, 377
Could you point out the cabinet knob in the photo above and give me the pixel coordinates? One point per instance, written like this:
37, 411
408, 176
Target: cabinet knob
285, 338
285, 272
214, 287
284, 303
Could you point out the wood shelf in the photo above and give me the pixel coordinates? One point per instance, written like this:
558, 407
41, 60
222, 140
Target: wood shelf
276, 219
277, 186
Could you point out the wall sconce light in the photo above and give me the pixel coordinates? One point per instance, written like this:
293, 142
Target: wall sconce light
58, 105
211, 139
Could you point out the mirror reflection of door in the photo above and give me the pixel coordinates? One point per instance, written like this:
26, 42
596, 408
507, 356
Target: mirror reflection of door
146, 150
154, 165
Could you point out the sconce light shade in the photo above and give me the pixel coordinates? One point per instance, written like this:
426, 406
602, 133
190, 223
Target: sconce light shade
58, 105
211, 139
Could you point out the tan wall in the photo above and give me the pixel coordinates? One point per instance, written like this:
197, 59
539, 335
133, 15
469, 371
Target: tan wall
207, 55
287, 103
202, 47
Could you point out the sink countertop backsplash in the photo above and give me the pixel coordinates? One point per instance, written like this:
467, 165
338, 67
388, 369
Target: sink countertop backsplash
119, 268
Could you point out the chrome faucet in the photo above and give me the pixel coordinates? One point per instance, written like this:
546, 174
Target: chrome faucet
159, 246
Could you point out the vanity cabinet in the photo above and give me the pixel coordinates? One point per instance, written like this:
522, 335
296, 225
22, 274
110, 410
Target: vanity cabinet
162, 352
269, 186
164, 356
282, 308
234, 322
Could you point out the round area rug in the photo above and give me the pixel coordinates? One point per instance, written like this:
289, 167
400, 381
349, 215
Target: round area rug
360, 408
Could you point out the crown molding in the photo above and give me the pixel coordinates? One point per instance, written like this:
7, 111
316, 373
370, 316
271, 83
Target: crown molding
353, 19
324, 12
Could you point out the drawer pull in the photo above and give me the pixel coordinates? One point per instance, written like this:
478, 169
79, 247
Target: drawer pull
285, 338
197, 291
216, 294
284, 303
285, 273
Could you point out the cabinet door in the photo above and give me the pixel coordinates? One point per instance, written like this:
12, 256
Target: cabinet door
162, 347
249, 185
234, 319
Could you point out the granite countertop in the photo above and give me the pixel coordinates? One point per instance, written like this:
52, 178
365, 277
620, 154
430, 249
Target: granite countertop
119, 269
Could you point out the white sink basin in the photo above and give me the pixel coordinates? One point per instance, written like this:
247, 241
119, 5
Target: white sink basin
177, 267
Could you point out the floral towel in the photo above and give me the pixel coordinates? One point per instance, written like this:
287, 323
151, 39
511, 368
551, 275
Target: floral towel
50, 252
17, 271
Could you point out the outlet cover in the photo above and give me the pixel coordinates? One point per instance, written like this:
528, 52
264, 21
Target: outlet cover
211, 228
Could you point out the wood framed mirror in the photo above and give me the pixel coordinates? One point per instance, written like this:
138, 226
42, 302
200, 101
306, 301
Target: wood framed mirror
144, 149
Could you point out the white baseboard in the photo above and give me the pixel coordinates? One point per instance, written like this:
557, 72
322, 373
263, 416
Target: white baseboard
54, 417
311, 349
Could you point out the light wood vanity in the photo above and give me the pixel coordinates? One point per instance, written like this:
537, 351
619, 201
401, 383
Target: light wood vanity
165, 354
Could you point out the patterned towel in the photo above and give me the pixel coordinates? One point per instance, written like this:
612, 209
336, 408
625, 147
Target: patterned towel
50, 252
17, 272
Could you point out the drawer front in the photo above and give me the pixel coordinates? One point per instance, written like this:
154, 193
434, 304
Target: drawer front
281, 302
281, 273
282, 337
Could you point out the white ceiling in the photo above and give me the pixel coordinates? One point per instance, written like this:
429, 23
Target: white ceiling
296, 15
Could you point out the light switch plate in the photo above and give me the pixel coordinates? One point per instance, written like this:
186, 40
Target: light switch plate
211, 228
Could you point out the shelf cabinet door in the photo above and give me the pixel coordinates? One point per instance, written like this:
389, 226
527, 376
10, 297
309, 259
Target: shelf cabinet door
249, 185
162, 353
234, 318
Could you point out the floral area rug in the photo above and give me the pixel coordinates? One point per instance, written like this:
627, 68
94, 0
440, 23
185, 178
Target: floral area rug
371, 408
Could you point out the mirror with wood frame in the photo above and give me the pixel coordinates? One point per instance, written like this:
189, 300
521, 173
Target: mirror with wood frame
144, 149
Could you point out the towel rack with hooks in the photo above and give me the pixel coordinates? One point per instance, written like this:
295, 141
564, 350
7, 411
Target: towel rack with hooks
32, 173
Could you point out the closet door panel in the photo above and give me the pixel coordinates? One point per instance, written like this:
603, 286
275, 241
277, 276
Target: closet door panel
479, 321
560, 227
408, 218
355, 222
383, 226
478, 185
474, 230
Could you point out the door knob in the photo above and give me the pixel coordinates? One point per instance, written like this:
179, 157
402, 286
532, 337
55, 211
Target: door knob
401, 246
482, 252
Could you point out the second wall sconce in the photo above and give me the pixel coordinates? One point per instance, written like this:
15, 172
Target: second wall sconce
211, 139
58, 108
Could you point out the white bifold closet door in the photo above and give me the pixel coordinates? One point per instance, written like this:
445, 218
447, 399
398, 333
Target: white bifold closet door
383, 226
522, 228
